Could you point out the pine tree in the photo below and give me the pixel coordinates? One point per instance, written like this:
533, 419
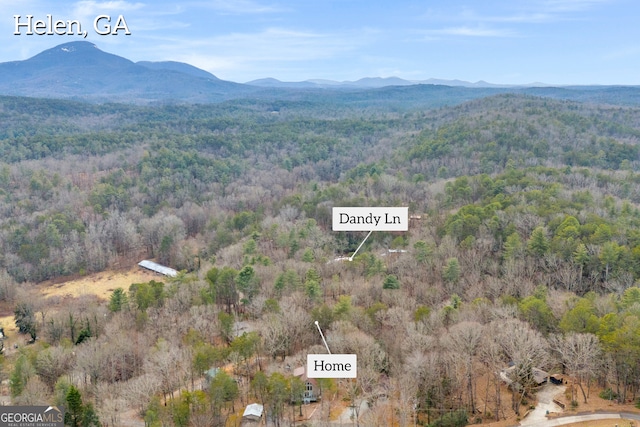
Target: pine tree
391, 282
538, 242
25, 319
451, 271
73, 414
118, 300
307, 256
19, 376
581, 257
512, 247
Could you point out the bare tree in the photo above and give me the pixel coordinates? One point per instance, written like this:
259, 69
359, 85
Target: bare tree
492, 358
360, 390
110, 404
166, 361
463, 341
140, 390
51, 363
90, 360
274, 335
344, 337
581, 355
7, 286
407, 395
525, 349
35, 393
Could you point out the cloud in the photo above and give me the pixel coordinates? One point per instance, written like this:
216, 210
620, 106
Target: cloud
87, 10
239, 55
622, 53
571, 5
532, 12
284, 44
238, 7
91, 8
19, 6
518, 18
279, 44
464, 31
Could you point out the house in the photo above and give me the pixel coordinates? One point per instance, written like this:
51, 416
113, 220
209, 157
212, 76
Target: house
538, 375
252, 414
311, 389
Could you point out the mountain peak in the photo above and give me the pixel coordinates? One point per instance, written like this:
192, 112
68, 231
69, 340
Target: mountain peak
80, 69
79, 53
71, 47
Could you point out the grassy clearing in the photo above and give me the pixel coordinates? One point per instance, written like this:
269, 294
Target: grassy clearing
100, 284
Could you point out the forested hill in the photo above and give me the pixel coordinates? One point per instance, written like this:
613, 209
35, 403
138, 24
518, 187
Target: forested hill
74, 170
524, 249
525, 131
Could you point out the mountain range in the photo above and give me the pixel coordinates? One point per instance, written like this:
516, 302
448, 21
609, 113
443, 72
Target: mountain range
81, 71
378, 82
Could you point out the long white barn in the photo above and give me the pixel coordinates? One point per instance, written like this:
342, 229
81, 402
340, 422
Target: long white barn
158, 268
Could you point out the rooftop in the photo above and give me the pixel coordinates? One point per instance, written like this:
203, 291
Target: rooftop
158, 268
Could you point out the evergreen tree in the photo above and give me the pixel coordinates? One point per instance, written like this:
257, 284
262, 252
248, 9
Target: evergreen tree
118, 300
25, 319
538, 242
279, 284
90, 417
74, 410
223, 286
581, 257
451, 271
512, 247
247, 283
422, 251
343, 307
20, 375
307, 256
391, 282
609, 255
312, 289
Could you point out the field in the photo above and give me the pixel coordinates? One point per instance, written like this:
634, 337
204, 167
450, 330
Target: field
100, 285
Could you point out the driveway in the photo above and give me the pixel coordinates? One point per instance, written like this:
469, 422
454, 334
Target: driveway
545, 405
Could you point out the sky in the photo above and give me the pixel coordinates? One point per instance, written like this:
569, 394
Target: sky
559, 42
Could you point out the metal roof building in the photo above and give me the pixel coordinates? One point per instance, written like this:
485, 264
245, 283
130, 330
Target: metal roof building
153, 266
253, 412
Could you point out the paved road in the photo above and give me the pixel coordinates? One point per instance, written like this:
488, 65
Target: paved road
537, 418
582, 418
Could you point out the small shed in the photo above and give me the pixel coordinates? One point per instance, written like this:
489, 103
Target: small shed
209, 375
158, 268
253, 412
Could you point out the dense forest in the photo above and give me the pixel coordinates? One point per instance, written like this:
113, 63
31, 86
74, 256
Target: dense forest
524, 250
